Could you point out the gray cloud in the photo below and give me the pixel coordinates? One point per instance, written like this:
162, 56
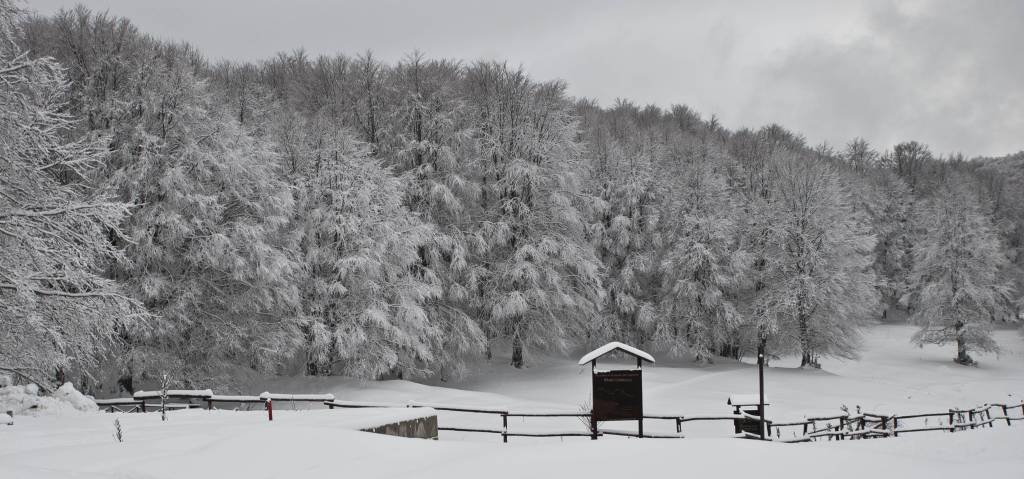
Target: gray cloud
948, 73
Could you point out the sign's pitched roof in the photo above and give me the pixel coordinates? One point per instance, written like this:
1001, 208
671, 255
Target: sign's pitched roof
616, 346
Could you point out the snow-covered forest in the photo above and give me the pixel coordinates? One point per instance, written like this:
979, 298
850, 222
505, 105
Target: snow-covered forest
341, 215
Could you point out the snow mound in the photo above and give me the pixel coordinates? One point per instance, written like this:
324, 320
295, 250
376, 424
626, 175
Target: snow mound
175, 393
25, 399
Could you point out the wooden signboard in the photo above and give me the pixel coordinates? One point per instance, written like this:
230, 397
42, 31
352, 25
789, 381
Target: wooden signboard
618, 395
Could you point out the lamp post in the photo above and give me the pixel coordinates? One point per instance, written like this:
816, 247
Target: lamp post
760, 378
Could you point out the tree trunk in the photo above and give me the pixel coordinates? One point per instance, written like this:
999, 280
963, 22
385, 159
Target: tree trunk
961, 348
807, 358
126, 383
517, 352
729, 349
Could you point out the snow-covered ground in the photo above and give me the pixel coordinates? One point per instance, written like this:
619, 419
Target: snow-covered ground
892, 377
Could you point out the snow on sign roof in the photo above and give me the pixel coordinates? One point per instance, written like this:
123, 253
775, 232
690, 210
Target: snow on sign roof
746, 400
612, 346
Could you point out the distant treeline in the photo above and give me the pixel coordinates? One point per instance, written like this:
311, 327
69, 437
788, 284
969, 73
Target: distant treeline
349, 216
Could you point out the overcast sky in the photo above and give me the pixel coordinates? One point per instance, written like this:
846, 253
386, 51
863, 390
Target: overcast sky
947, 73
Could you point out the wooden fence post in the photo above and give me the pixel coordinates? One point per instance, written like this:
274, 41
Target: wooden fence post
1007, 416
952, 428
504, 427
895, 426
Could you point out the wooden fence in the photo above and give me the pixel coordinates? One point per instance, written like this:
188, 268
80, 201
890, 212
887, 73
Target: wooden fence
840, 427
870, 425
846, 426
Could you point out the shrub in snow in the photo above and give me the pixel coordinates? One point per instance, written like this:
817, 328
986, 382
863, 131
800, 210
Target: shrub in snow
118, 431
23, 399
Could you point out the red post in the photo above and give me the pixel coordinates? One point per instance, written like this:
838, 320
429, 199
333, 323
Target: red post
270, 409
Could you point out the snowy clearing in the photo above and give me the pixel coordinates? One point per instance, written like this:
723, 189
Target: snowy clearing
892, 377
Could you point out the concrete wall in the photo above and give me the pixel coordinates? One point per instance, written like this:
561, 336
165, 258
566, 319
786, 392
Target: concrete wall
422, 428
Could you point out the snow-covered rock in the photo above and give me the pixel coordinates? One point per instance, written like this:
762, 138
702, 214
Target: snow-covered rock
72, 397
25, 399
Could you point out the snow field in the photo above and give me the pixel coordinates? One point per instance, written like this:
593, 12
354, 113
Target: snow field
892, 377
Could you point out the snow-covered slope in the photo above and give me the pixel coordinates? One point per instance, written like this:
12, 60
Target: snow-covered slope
892, 376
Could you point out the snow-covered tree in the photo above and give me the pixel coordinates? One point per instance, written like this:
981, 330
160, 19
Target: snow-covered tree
887, 199
819, 288
432, 147
369, 293
704, 266
956, 273
57, 311
539, 281
209, 245
623, 161
859, 155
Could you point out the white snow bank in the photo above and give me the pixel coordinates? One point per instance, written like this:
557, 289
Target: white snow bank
69, 395
612, 346
296, 397
217, 397
194, 393
25, 399
460, 407
367, 418
366, 404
